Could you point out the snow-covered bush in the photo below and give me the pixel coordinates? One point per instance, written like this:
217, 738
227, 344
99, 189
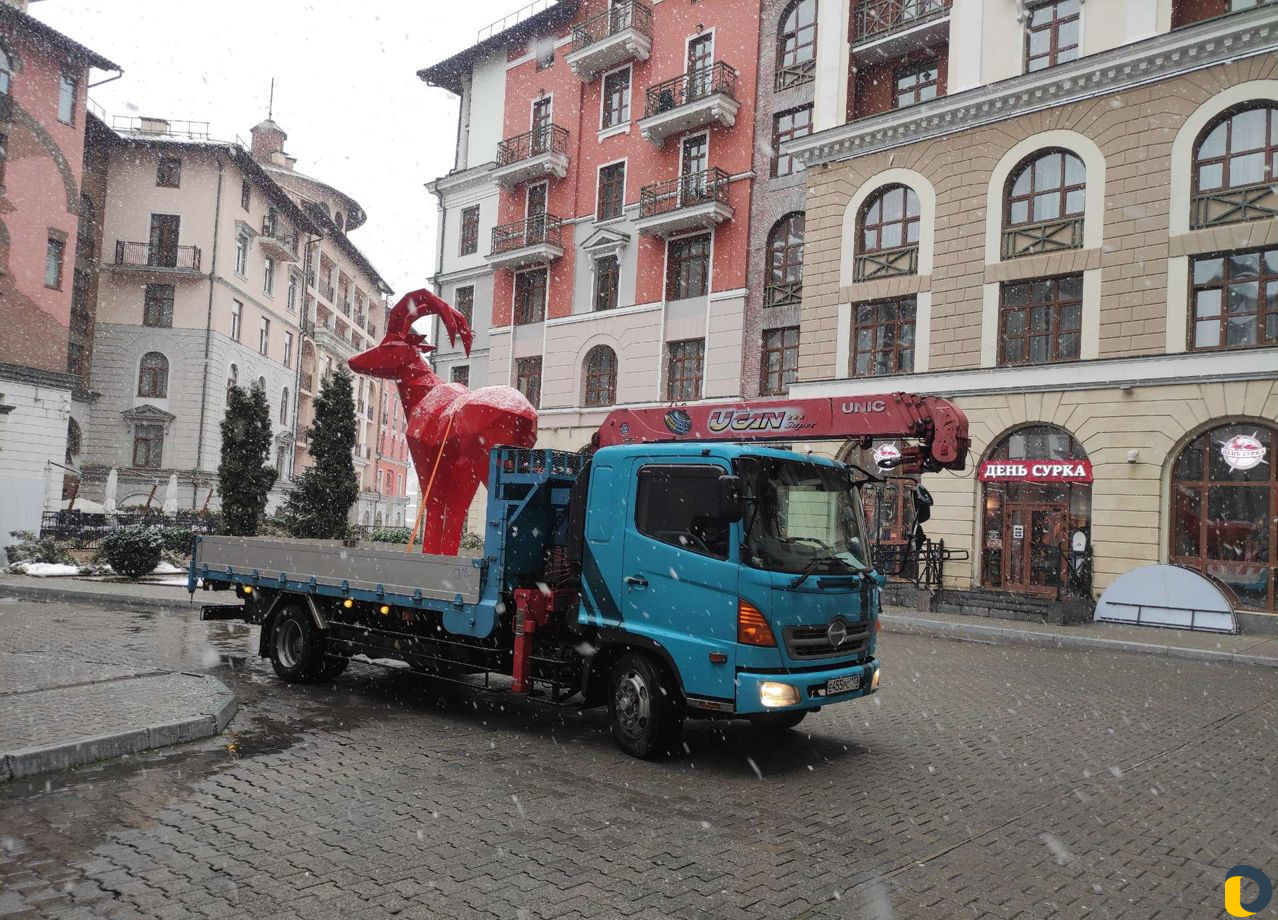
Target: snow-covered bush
30, 548
133, 551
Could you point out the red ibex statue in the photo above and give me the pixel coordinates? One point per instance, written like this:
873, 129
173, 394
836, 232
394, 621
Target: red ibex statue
451, 429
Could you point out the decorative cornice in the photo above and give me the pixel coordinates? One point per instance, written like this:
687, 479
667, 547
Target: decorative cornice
1227, 38
37, 376
460, 180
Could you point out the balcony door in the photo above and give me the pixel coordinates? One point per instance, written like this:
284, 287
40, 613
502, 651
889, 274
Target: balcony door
535, 216
700, 59
541, 114
692, 169
163, 249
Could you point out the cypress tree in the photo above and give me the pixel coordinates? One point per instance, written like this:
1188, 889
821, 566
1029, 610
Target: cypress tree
318, 505
245, 475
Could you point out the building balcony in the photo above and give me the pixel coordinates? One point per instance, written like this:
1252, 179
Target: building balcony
886, 263
328, 337
1230, 206
689, 101
176, 260
1044, 236
327, 292
620, 34
537, 154
692, 202
535, 241
278, 242
887, 29
783, 294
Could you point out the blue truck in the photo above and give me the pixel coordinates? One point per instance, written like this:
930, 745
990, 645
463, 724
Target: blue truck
680, 570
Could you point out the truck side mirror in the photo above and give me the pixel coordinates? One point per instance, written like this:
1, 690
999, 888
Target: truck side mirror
922, 505
731, 505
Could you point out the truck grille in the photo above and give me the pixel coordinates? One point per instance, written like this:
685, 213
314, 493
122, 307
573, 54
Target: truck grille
806, 642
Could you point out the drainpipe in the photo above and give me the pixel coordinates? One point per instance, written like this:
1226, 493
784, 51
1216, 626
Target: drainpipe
311, 240
208, 338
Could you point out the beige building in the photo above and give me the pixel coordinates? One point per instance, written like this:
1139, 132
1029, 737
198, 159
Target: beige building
1080, 248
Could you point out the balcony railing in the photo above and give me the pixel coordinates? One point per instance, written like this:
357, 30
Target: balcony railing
151, 256
876, 18
795, 74
542, 228
886, 263
276, 233
1044, 236
328, 292
626, 14
546, 139
684, 192
689, 87
1229, 206
783, 294
372, 329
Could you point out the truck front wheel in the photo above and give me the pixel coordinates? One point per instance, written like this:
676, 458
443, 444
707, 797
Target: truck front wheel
297, 647
645, 711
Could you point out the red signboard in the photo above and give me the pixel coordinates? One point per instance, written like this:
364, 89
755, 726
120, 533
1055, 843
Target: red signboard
1035, 471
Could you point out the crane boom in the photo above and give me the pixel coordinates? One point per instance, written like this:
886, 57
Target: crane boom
937, 424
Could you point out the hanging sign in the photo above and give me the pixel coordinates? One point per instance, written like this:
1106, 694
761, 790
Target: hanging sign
887, 454
1242, 452
1035, 471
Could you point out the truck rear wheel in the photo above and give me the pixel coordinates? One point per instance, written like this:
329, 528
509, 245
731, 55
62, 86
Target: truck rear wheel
297, 647
645, 712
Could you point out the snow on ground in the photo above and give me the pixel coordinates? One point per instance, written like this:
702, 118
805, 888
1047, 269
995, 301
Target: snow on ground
45, 569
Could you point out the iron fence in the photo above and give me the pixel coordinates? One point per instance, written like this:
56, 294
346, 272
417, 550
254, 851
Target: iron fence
536, 230
85, 530
683, 192
876, 18
152, 256
689, 87
621, 15
544, 139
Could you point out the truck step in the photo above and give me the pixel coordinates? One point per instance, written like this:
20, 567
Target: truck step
222, 612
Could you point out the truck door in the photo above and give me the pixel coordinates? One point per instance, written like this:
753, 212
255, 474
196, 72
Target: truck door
679, 571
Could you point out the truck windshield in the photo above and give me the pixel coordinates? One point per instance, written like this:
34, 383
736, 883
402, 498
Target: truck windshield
804, 517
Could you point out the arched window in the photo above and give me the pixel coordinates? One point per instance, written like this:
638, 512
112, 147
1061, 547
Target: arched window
73, 440
153, 375
785, 262
889, 231
284, 407
232, 377
1235, 155
1224, 500
261, 384
1045, 199
600, 377
6, 72
796, 44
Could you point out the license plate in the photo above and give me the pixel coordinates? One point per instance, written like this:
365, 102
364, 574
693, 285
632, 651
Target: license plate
836, 685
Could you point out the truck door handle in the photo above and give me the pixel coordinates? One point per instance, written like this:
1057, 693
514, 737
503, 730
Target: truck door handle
636, 581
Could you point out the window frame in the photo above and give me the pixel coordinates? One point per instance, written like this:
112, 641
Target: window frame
460, 373
1268, 151
246, 194
901, 362
241, 255
523, 312
268, 277
775, 381
55, 258
607, 284
263, 336
615, 116
604, 189
1265, 279
153, 299
1060, 192
915, 69
464, 303
688, 357
651, 476
528, 378
1055, 53
237, 319
468, 243
790, 73
288, 349
149, 435
153, 377
599, 381
906, 221
783, 283
67, 98
168, 172
683, 279
779, 136
1054, 331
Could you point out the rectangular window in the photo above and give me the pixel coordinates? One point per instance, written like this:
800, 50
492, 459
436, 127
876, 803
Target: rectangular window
779, 365
237, 317
246, 194
78, 362
685, 362
53, 262
461, 374
470, 230
1051, 34
688, 267
67, 87
268, 276
292, 293
148, 446
679, 505
241, 256
607, 282
1235, 300
264, 336
288, 349
528, 379
157, 308
883, 337
169, 173
1040, 320
530, 296
464, 303
616, 98
785, 127
917, 83
612, 190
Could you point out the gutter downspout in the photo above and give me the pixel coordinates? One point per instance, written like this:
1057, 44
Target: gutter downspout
304, 309
208, 338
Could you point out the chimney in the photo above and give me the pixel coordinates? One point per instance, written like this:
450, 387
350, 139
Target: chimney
268, 140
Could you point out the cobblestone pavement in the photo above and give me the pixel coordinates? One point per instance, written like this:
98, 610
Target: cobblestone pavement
983, 781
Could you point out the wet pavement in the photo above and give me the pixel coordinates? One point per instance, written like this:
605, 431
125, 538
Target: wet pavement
983, 781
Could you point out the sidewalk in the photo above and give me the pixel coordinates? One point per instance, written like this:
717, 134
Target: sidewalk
74, 690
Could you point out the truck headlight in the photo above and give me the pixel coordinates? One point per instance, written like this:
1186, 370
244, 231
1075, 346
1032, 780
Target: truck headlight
773, 694
874, 681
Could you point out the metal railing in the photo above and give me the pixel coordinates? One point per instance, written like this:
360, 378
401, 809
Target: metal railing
161, 127
783, 294
279, 233
86, 530
886, 263
546, 139
536, 230
876, 18
514, 19
1044, 236
625, 14
151, 256
684, 192
329, 294
372, 329
795, 74
689, 87
1229, 206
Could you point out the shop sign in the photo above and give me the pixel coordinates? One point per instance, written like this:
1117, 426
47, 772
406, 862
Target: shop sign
1035, 471
887, 455
1242, 452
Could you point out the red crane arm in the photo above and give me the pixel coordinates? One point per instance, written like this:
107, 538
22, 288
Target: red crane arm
937, 424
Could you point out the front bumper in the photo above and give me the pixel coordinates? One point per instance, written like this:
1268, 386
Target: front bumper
810, 684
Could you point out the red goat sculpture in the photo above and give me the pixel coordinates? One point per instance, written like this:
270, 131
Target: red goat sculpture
451, 429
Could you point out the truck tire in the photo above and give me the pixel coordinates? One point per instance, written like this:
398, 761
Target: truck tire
645, 712
777, 721
334, 665
297, 646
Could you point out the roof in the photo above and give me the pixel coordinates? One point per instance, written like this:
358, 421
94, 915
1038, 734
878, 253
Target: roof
11, 15
331, 232
447, 74
356, 216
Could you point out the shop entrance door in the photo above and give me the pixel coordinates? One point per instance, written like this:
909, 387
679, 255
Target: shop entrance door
1033, 537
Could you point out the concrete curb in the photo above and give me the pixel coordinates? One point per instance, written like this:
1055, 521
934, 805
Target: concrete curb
105, 598
30, 761
941, 629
